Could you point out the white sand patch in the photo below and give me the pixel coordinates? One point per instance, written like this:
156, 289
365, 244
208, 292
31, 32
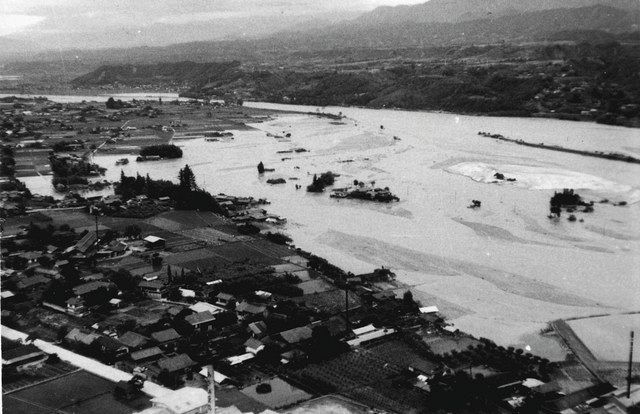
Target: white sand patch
541, 178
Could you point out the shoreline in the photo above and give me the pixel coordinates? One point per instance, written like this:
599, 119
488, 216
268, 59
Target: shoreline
507, 114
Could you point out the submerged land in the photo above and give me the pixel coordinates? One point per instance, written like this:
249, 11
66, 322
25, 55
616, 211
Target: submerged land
159, 274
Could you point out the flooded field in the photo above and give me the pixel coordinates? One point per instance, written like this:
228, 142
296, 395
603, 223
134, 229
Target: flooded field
500, 271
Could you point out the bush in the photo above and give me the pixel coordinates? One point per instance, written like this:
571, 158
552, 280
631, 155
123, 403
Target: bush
163, 150
279, 238
263, 388
319, 183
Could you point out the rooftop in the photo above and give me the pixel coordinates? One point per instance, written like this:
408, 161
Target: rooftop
166, 335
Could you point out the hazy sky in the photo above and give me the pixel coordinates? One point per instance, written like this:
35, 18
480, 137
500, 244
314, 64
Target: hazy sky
101, 23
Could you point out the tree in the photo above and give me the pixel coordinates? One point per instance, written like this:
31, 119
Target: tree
260, 168
132, 231
187, 179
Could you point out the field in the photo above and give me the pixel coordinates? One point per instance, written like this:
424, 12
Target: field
77, 393
441, 345
363, 376
401, 354
46, 373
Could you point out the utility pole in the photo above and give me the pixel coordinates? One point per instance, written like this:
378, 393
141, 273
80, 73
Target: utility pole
630, 365
212, 390
96, 213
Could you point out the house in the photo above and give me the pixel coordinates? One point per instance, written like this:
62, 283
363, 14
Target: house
253, 345
112, 349
178, 364
201, 321
21, 357
32, 283
167, 338
77, 337
133, 340
76, 306
153, 289
154, 242
204, 307
146, 355
186, 400
86, 288
225, 299
257, 329
296, 335
247, 310
85, 243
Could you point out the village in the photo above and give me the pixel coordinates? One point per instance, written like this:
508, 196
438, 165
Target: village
159, 296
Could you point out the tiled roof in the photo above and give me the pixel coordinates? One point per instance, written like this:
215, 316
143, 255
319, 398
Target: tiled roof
200, 317
176, 363
166, 335
132, 339
146, 353
296, 335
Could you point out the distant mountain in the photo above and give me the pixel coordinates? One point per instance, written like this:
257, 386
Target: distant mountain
14, 48
162, 73
452, 11
435, 23
525, 26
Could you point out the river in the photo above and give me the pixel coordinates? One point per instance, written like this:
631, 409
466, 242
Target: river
501, 271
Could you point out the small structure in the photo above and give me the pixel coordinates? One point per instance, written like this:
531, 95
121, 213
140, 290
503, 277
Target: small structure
86, 288
154, 242
201, 321
429, 309
253, 345
153, 289
133, 340
146, 355
167, 339
177, 364
246, 310
296, 335
225, 299
76, 306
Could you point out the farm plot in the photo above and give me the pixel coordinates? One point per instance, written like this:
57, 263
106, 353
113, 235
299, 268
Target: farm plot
240, 252
366, 378
401, 354
332, 301
45, 373
441, 345
270, 249
185, 220
177, 242
65, 394
74, 218
32, 162
199, 258
212, 236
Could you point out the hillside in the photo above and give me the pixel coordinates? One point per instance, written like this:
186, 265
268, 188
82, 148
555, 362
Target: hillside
596, 82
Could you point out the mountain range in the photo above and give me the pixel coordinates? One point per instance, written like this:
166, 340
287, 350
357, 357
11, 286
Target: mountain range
434, 23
